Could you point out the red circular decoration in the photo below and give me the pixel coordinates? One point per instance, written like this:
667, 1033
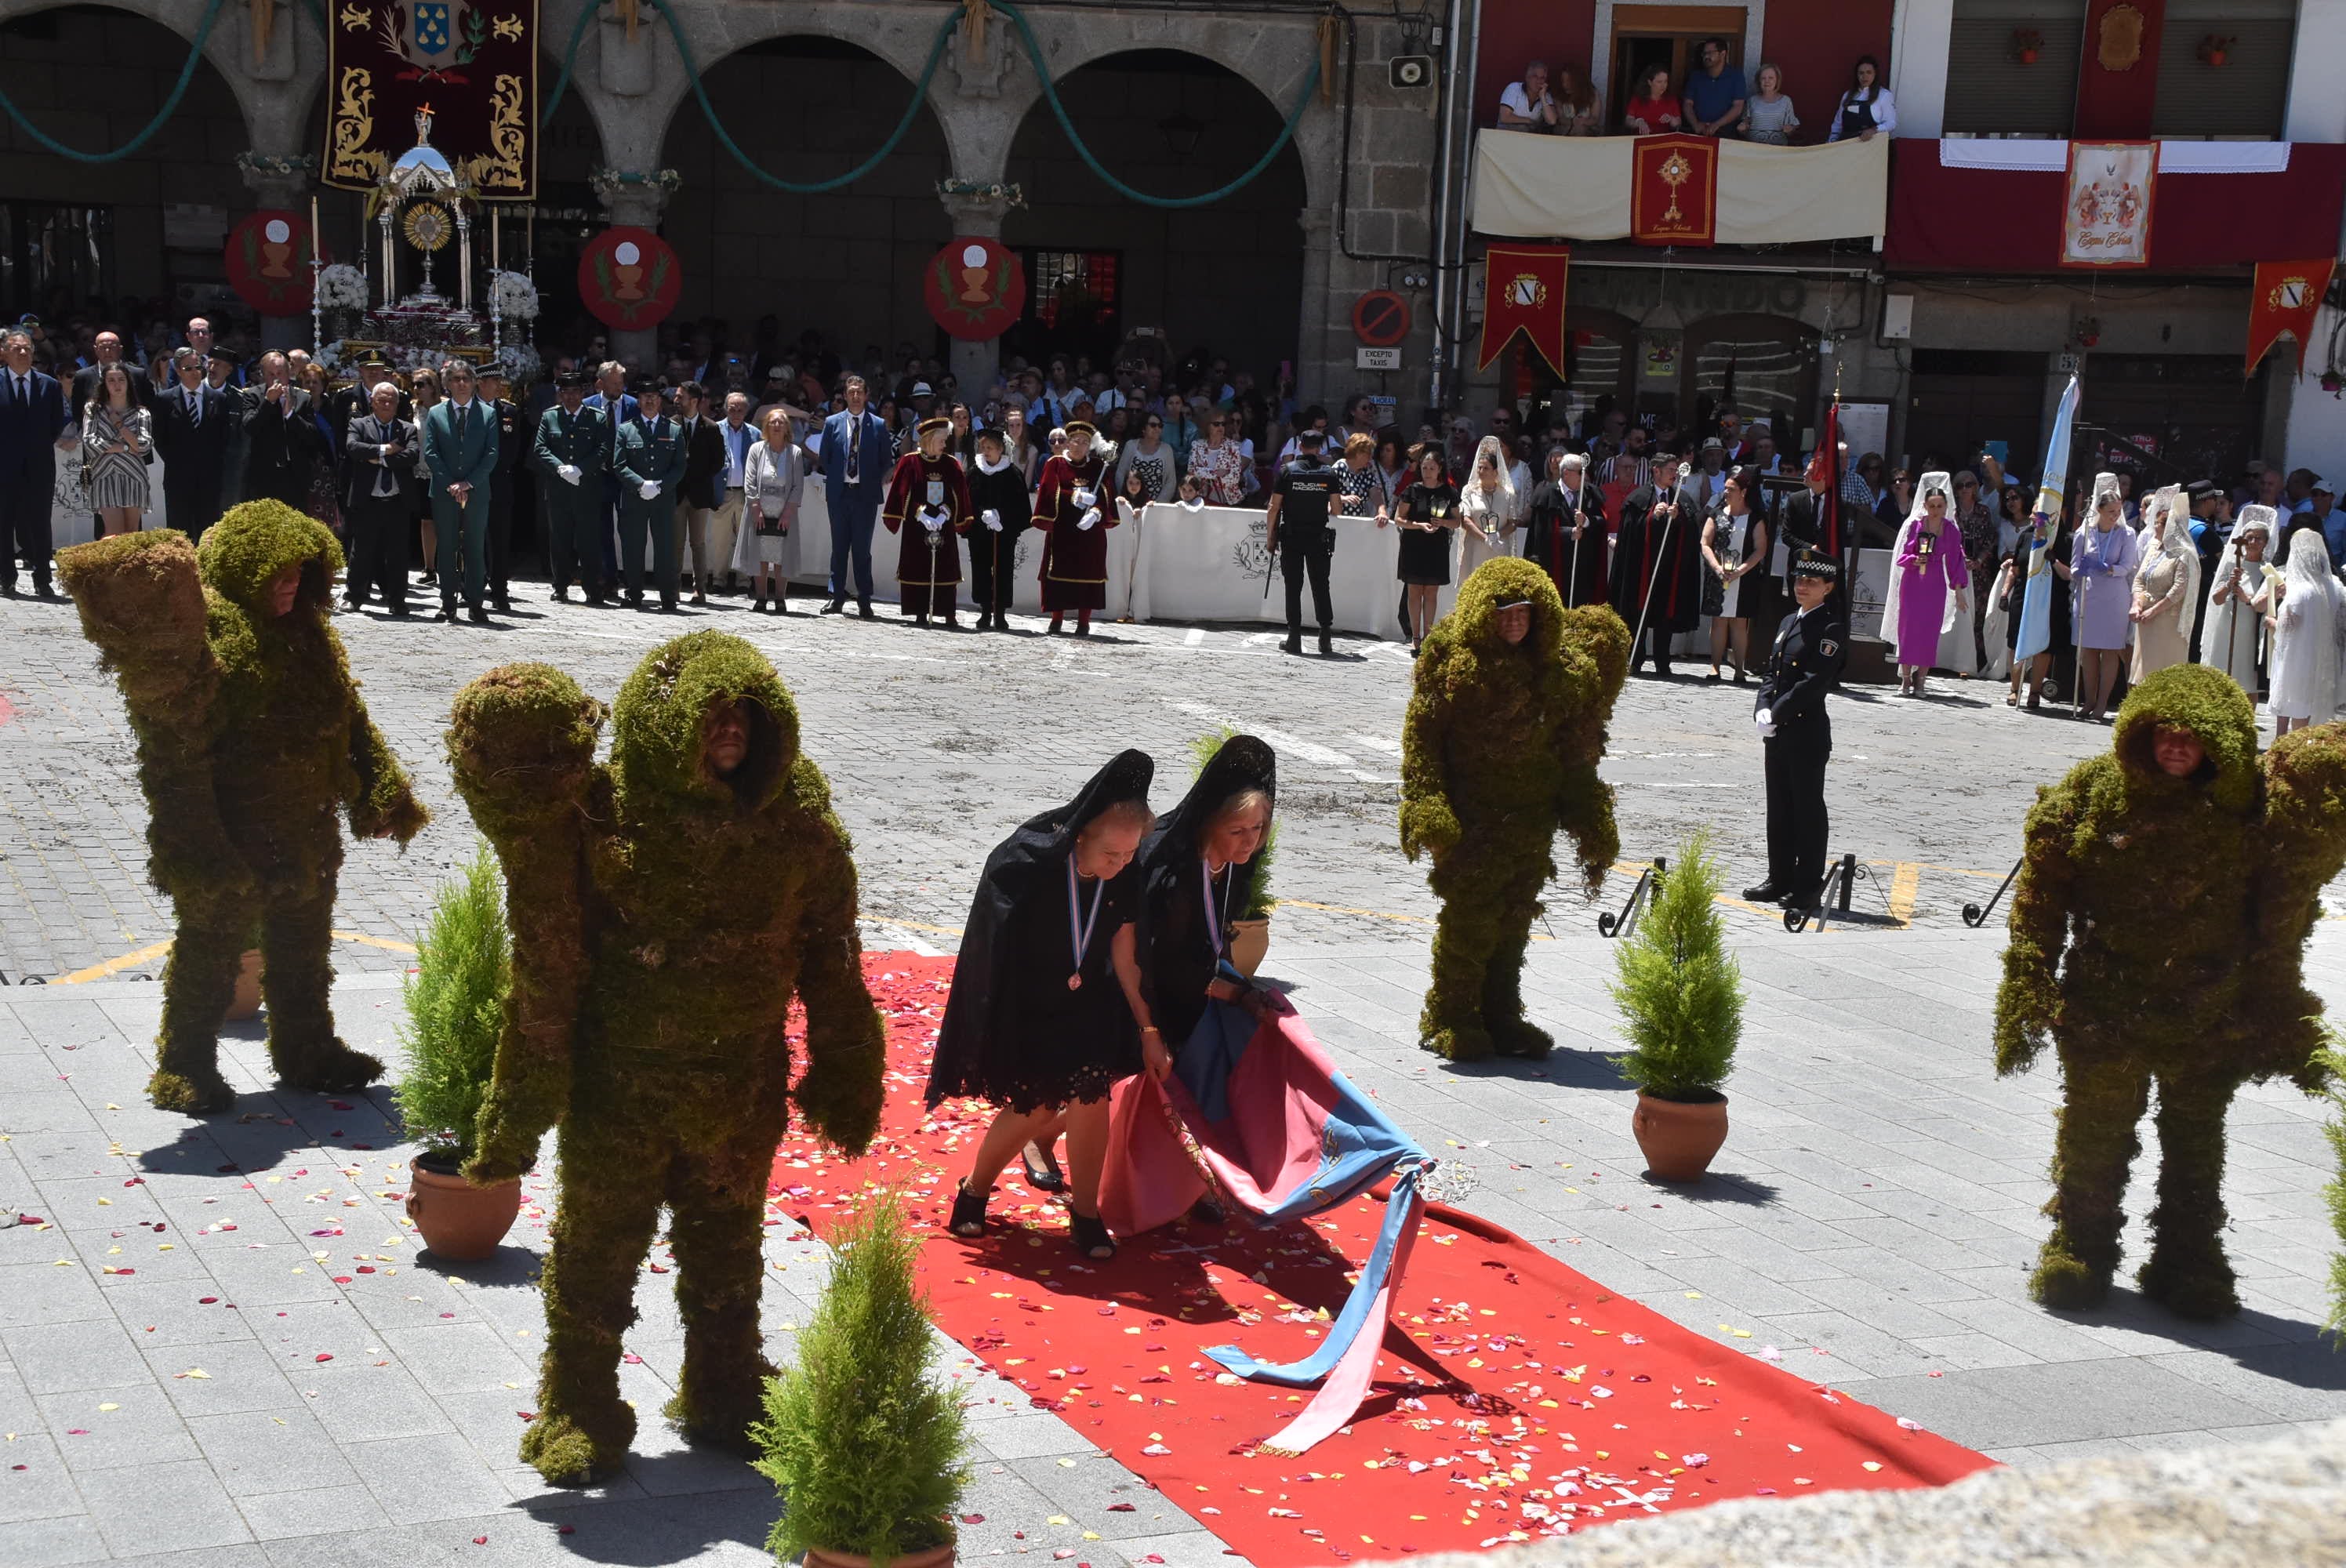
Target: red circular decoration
629, 278
975, 288
1380, 317
268, 259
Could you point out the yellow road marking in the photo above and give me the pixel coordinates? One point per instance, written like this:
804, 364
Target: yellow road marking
114, 965
384, 943
1903, 883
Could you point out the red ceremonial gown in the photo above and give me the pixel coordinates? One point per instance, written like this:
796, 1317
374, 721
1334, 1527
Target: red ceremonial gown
928, 565
1075, 560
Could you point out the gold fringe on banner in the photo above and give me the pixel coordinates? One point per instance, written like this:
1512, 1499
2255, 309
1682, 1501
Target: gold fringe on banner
1327, 60
975, 11
264, 17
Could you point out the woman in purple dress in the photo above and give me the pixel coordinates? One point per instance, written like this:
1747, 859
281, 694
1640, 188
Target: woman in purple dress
1929, 581
2101, 580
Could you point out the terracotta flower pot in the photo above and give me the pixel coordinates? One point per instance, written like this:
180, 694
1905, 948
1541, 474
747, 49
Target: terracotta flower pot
459, 1222
1679, 1138
246, 1003
934, 1557
2027, 56
1250, 940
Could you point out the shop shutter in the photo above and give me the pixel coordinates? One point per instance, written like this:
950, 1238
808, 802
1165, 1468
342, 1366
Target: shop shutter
2247, 95
1989, 91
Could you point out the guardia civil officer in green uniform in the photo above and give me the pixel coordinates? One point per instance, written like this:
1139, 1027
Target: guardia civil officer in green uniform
1301, 498
568, 451
648, 460
1795, 735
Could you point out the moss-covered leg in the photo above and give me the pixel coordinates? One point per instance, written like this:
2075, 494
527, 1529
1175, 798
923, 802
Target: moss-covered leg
1513, 1035
716, 1208
2188, 1269
1465, 935
198, 984
604, 1215
2094, 1142
297, 975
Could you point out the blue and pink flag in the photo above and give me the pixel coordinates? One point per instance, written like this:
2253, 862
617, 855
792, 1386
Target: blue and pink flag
2036, 633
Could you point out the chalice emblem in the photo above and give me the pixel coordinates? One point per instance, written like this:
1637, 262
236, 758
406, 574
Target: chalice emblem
1675, 171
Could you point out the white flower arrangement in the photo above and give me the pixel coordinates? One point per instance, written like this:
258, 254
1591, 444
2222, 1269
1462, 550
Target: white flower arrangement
329, 358
514, 295
341, 287
523, 362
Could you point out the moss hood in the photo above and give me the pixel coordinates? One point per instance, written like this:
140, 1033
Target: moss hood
2211, 706
656, 741
252, 543
1506, 580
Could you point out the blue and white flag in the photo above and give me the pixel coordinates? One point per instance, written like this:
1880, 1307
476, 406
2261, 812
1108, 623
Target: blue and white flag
2036, 633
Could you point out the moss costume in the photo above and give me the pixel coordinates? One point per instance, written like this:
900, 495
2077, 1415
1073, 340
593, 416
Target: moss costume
1499, 753
2141, 898
663, 918
251, 741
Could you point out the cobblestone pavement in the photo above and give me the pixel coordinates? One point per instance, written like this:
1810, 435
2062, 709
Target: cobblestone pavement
1870, 1221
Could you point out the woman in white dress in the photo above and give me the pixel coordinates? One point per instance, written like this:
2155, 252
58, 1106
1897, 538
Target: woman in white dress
2307, 617
766, 550
2234, 638
1486, 507
1734, 547
2166, 586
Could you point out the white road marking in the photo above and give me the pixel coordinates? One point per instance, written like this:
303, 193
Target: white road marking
1195, 636
1384, 744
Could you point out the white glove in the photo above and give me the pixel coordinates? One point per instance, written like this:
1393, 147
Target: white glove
991, 518
1766, 719
570, 474
1086, 497
649, 490
931, 520
1089, 520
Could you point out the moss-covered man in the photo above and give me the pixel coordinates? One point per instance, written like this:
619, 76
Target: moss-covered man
1499, 754
2151, 875
251, 741
666, 907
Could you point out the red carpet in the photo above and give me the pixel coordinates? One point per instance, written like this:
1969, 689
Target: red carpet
1523, 1400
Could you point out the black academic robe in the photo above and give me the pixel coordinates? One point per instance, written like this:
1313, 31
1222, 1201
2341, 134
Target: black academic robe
1656, 576
1014, 1032
1577, 566
1183, 938
994, 552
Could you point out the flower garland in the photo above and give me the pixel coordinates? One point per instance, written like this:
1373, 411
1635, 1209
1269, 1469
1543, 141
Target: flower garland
514, 296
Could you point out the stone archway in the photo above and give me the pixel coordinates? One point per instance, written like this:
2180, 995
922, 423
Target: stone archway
148, 225
1227, 276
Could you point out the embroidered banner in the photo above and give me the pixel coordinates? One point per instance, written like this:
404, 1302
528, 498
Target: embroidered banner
628, 278
473, 63
2286, 299
267, 261
1523, 292
2106, 221
975, 288
1674, 191
2118, 80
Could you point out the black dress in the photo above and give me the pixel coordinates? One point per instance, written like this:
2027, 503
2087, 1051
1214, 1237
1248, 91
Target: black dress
1183, 940
1014, 1032
1425, 557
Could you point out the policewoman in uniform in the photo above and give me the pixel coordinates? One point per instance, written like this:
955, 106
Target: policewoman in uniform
1301, 497
1796, 736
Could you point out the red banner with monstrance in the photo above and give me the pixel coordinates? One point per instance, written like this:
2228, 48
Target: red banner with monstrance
1674, 191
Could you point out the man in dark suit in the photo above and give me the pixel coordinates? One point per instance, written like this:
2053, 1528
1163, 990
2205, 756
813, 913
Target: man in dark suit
857, 456
192, 425
105, 350
568, 451
283, 447
495, 383
703, 488
378, 493
618, 406
223, 375
33, 426
356, 402
1656, 584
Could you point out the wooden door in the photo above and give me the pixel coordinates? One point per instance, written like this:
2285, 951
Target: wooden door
1647, 35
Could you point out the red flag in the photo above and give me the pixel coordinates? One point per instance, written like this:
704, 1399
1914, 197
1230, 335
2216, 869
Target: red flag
1674, 191
1523, 292
2286, 299
1825, 463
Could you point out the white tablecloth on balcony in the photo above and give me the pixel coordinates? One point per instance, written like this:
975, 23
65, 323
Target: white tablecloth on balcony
1578, 188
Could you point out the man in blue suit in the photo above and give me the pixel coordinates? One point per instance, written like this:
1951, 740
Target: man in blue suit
32, 419
857, 455
618, 406
460, 441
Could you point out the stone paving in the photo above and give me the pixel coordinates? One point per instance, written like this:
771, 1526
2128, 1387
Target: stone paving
1870, 1221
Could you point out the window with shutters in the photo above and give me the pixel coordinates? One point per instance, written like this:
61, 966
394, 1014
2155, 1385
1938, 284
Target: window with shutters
1991, 89
2246, 96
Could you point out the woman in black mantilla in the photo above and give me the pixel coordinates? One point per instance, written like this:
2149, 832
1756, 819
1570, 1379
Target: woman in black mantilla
1194, 871
1045, 997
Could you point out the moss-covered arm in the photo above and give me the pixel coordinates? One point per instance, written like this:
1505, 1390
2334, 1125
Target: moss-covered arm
2028, 1001
384, 805
1584, 807
842, 1090
1429, 822
521, 745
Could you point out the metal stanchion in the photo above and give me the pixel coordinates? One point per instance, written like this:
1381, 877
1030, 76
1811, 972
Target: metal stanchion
1975, 915
1648, 881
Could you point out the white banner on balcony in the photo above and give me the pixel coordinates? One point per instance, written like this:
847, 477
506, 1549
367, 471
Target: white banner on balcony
1578, 188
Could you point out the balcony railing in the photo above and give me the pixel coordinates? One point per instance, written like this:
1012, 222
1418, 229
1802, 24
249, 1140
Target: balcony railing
1586, 189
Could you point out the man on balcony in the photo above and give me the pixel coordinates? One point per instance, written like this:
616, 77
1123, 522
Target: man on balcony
1714, 95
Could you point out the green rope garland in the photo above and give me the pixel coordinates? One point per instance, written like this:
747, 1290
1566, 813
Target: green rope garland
170, 105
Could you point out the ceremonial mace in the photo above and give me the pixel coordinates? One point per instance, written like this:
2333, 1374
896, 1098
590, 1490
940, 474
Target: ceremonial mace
1638, 636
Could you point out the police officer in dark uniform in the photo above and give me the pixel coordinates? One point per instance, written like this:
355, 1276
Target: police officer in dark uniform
495, 383
568, 449
1796, 736
1301, 497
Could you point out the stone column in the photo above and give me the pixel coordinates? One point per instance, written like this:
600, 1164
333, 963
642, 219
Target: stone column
977, 212
1317, 376
636, 202
281, 182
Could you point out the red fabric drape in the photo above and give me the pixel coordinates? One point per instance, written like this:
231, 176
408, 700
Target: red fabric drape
2118, 70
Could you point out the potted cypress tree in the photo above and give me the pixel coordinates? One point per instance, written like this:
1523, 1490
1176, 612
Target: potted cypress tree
456, 1004
862, 1444
1681, 998
1250, 927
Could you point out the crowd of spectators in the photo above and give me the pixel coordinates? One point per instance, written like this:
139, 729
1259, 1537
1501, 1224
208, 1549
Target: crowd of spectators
1717, 98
